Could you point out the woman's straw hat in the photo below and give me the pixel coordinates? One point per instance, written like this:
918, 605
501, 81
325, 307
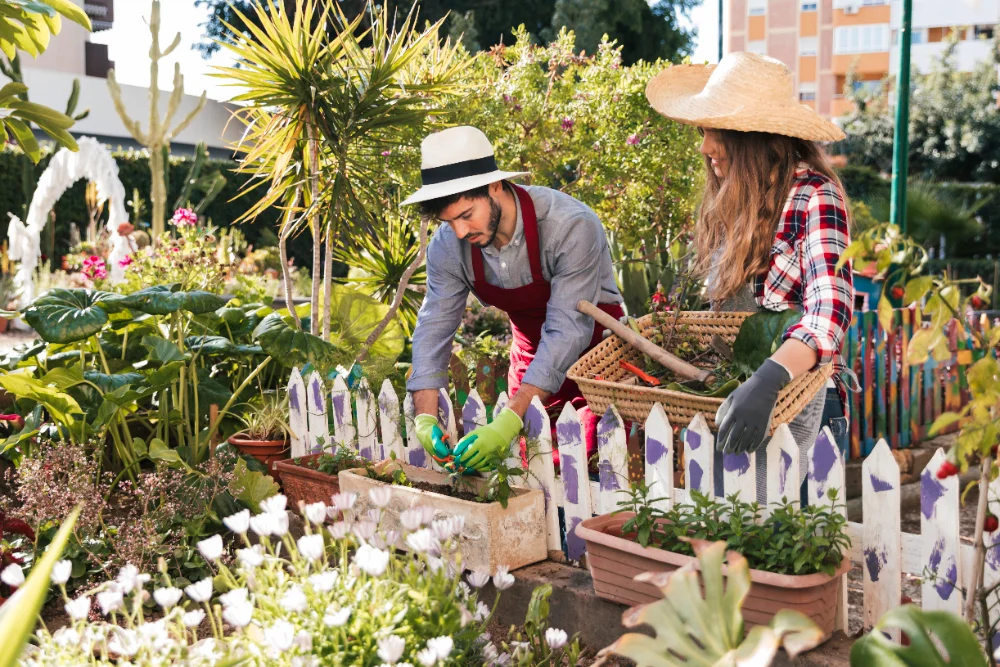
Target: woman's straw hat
746, 92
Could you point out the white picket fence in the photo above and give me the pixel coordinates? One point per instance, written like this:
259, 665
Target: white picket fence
878, 544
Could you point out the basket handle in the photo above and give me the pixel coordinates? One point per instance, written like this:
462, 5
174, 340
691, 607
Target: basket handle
665, 359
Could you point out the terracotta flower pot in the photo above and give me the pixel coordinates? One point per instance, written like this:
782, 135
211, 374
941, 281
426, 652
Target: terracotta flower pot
304, 483
493, 535
614, 561
268, 452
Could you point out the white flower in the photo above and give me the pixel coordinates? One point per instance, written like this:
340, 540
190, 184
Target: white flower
61, 572
193, 619
434, 563
374, 515
155, 635
344, 501
13, 576
391, 537
390, 649
280, 635
123, 641
234, 597
238, 615
65, 637
167, 597
482, 611
380, 495
490, 653
274, 504
303, 640
110, 600
130, 578
239, 523
294, 600
315, 512
279, 523
262, 524
334, 617
311, 547
445, 529
464, 589
206, 650
441, 646
422, 541
340, 530
427, 657
323, 582
411, 519
365, 530
371, 561
211, 548
503, 580
251, 556
78, 608
478, 579
200, 591
555, 638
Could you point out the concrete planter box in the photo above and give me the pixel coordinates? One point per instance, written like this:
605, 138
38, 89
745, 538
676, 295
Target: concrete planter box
492, 536
614, 561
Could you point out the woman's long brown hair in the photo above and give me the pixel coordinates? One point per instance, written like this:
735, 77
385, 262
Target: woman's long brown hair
740, 213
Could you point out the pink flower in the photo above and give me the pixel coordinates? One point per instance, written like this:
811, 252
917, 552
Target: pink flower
633, 140
386, 153
126, 261
567, 124
94, 268
184, 217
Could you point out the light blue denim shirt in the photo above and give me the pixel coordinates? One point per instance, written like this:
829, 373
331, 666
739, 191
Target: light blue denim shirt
576, 261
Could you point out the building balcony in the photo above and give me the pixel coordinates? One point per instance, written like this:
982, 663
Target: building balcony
840, 106
865, 64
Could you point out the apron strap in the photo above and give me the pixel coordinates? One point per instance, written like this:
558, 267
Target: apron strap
477, 264
530, 232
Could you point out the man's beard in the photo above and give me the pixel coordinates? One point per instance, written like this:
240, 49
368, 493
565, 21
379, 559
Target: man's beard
493, 226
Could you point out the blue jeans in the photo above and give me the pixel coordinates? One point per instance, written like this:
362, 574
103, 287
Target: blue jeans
834, 418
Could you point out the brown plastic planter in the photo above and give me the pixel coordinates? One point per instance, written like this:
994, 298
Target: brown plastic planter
492, 536
267, 452
615, 560
304, 483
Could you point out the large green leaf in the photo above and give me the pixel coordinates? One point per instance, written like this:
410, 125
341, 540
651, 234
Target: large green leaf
251, 487
162, 350
67, 315
354, 315
167, 299
948, 630
108, 383
759, 338
220, 345
289, 346
19, 614
61, 406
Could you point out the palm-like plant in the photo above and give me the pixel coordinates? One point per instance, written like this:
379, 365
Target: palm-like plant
932, 213
324, 99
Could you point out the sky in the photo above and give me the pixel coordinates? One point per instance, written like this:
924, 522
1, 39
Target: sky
129, 40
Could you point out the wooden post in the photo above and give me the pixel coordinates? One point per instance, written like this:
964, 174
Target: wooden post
660, 458
882, 541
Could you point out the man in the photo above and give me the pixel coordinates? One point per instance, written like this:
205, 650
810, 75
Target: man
530, 251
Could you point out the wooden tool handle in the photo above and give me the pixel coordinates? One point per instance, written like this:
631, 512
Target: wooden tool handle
664, 358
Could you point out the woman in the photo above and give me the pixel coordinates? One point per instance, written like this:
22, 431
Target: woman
771, 229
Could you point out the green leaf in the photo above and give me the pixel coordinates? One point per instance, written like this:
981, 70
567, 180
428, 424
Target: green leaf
61, 406
289, 346
166, 299
354, 316
67, 315
760, 336
945, 420
885, 313
948, 630
719, 392
19, 614
159, 451
250, 487
162, 350
917, 288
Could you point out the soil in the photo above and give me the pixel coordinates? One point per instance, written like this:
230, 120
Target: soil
447, 490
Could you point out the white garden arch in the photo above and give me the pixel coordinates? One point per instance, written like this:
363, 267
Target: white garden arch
94, 162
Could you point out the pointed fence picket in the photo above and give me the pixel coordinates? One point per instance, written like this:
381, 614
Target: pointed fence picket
878, 545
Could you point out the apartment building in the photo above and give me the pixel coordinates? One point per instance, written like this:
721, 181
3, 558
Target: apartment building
821, 40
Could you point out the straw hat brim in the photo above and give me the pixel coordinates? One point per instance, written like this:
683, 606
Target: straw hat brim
678, 93
447, 188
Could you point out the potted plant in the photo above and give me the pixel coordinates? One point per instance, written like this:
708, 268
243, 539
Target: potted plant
265, 435
796, 555
503, 524
314, 478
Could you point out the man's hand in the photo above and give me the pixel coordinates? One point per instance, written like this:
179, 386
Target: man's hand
744, 418
431, 437
480, 448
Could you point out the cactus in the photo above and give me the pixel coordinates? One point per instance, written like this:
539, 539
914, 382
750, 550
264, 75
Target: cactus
159, 135
211, 184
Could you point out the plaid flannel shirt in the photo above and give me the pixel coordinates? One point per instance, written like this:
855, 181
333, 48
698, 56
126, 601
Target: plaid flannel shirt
812, 235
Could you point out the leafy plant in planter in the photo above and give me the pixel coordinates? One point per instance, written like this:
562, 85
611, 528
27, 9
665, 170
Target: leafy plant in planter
314, 477
265, 431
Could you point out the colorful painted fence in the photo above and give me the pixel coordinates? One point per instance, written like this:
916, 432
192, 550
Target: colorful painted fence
375, 428
898, 402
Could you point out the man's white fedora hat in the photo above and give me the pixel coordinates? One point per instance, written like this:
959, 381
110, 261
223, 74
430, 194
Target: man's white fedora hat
746, 92
456, 160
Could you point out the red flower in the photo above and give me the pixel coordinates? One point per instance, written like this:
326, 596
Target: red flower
897, 292
946, 470
17, 421
991, 523
15, 527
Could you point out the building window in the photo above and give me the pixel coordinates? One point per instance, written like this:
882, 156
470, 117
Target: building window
809, 6
871, 38
806, 96
757, 7
984, 32
759, 46
918, 36
807, 46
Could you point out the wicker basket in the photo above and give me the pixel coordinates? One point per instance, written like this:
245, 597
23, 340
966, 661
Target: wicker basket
634, 402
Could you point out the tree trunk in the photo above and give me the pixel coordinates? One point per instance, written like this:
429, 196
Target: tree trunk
404, 282
317, 232
158, 196
327, 280
286, 274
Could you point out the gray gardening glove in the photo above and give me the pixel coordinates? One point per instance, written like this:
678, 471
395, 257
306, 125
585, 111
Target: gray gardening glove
744, 418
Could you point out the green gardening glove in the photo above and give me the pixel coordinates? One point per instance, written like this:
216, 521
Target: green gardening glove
480, 448
431, 437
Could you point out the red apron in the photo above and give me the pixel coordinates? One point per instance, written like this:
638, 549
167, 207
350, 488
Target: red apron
526, 307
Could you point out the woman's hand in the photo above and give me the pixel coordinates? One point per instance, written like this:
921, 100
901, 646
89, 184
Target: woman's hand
744, 418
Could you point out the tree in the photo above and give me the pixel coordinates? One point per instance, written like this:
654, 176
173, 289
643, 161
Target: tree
645, 31
954, 123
